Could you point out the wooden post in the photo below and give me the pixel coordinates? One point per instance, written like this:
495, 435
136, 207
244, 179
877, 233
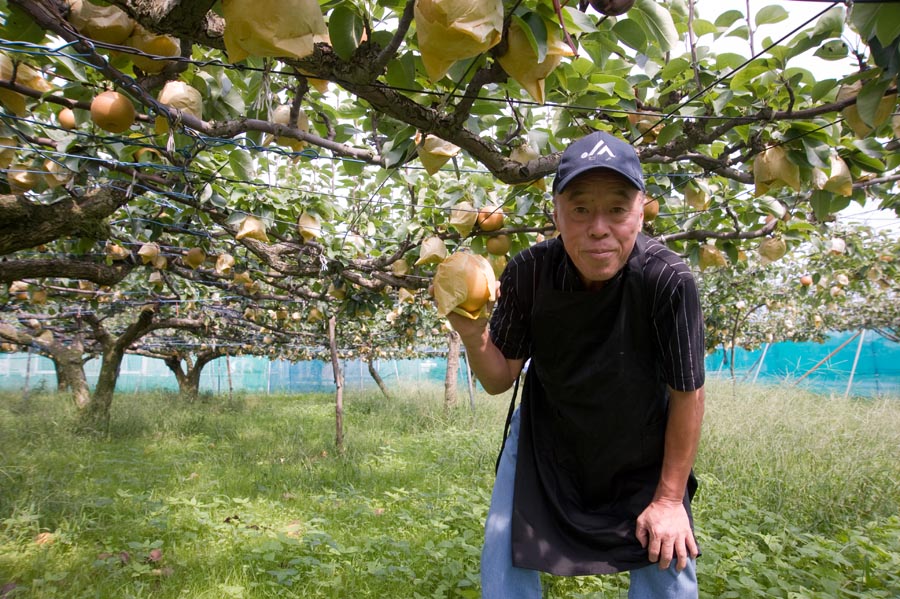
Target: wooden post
27, 374
452, 373
862, 336
470, 382
339, 384
230, 386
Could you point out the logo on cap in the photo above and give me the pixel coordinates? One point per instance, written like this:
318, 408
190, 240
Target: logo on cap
598, 149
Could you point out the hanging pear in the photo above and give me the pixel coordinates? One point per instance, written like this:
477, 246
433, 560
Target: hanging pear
154, 45
26, 76
180, 96
109, 24
434, 152
277, 28
521, 60
452, 30
772, 168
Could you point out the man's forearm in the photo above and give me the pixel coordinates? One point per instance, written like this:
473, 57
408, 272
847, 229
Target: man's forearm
682, 439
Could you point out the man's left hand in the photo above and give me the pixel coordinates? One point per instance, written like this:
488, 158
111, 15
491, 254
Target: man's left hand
664, 530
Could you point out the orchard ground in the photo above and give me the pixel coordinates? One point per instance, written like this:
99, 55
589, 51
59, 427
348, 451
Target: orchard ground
245, 497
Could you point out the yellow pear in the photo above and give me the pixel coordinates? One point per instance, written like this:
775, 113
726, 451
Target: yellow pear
154, 45
8, 147
400, 268
148, 252
525, 153
841, 181
25, 76
462, 218
772, 249
180, 96
463, 284
282, 116
277, 28
433, 251
772, 169
434, 152
452, 30
711, 257
252, 228
696, 196
521, 60
116, 251
109, 24
851, 113
224, 264
21, 178
194, 257
308, 226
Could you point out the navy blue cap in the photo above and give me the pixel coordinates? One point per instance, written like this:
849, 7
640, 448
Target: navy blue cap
598, 150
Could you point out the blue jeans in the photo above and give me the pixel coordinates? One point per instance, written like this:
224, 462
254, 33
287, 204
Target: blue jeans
501, 580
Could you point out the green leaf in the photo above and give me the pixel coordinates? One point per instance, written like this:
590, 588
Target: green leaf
631, 34
668, 133
821, 204
675, 67
833, 50
353, 168
345, 27
729, 61
577, 21
869, 99
241, 163
535, 31
823, 88
741, 32
401, 72
728, 18
657, 23
703, 27
876, 20
774, 13
831, 24
20, 26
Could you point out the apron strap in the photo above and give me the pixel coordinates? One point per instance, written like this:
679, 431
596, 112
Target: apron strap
509, 415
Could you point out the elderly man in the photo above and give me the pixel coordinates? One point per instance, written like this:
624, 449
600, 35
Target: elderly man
596, 474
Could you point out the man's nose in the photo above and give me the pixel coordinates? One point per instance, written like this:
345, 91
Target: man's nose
598, 226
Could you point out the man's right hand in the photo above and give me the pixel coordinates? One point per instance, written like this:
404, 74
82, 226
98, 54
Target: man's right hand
467, 328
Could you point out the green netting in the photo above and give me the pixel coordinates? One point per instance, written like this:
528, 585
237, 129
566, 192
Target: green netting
877, 370
865, 362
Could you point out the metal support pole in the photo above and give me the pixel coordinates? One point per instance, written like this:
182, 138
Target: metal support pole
862, 336
762, 359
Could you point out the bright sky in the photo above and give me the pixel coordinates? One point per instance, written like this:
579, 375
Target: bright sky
799, 12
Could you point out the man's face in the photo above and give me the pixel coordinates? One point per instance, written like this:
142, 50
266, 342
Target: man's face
599, 215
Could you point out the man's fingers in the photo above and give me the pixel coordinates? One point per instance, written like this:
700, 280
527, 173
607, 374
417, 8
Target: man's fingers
692, 548
641, 534
665, 556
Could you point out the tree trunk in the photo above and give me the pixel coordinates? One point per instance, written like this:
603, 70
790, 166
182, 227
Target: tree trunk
70, 375
95, 417
450, 380
339, 383
370, 362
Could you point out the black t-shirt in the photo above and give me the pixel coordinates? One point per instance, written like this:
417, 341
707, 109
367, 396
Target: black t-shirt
674, 308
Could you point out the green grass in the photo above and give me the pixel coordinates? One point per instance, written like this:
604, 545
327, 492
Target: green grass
247, 498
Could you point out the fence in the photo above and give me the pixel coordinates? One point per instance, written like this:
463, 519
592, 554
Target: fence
863, 364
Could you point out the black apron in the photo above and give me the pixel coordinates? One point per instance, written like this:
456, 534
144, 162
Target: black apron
593, 420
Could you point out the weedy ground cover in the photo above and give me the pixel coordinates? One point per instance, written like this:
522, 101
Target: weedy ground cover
247, 498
